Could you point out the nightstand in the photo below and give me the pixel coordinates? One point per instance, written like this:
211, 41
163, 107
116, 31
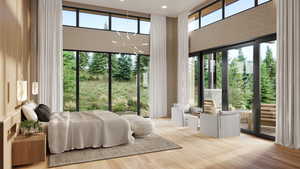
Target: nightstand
29, 149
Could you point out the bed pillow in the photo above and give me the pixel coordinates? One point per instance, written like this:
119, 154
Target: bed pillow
28, 111
43, 113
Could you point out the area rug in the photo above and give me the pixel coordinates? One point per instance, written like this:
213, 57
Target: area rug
150, 144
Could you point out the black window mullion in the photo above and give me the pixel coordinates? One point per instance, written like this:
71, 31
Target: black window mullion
77, 79
201, 81
215, 70
199, 19
223, 9
109, 82
109, 22
77, 17
256, 88
224, 80
138, 86
138, 26
256, 2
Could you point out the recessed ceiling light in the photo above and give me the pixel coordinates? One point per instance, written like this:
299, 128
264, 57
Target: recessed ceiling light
122, 0
164, 7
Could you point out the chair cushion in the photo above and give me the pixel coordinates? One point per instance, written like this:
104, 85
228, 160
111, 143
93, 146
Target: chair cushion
140, 126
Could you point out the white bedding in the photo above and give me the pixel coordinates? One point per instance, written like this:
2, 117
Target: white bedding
78, 130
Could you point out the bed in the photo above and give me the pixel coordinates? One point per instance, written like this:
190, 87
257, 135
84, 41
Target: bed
88, 129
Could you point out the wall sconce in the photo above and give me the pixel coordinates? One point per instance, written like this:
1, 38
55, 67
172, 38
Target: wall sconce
35, 88
21, 91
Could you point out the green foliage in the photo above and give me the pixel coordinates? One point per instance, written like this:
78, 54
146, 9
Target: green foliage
83, 60
29, 126
69, 80
123, 69
98, 65
268, 79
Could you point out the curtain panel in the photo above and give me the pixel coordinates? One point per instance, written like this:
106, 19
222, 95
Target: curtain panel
50, 54
183, 59
158, 67
288, 75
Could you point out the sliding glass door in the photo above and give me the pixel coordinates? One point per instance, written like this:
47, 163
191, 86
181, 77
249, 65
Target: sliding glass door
212, 82
241, 78
268, 61
240, 83
194, 70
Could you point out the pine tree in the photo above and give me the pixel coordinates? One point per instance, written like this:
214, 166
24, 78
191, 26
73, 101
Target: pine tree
267, 93
83, 60
268, 78
98, 66
124, 68
69, 71
236, 83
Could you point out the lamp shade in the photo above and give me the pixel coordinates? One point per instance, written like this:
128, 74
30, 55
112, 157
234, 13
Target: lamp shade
21, 90
35, 88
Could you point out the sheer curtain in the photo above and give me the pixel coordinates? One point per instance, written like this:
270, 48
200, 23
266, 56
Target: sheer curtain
183, 60
288, 75
50, 54
158, 67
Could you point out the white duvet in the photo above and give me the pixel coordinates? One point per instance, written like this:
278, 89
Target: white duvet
78, 130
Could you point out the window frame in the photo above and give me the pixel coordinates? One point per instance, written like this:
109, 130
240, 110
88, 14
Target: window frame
138, 18
223, 11
77, 79
225, 86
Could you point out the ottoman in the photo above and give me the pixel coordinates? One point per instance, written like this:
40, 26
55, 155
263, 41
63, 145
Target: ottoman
140, 126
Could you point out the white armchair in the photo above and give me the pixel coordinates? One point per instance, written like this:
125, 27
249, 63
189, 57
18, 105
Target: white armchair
220, 125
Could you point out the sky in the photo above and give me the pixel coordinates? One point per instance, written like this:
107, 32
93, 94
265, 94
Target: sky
230, 10
101, 22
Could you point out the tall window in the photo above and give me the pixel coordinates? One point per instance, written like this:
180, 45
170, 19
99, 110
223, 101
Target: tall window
69, 79
212, 82
124, 83
102, 81
194, 74
145, 26
235, 6
96, 20
105, 20
69, 17
193, 22
93, 91
240, 80
124, 24
268, 87
211, 14
144, 85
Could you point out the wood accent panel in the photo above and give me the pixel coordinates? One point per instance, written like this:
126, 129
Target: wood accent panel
200, 152
7, 134
15, 54
33, 149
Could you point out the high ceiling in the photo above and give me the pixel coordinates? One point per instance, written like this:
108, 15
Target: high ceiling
174, 7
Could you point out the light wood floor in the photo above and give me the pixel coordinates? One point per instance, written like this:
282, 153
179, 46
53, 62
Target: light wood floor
200, 152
